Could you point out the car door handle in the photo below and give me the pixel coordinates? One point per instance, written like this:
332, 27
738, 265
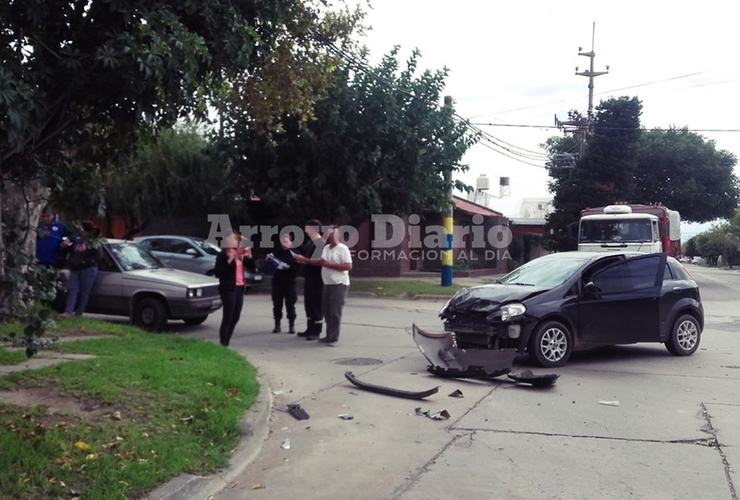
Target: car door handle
676, 289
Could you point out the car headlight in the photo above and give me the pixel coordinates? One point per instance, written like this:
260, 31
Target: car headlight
195, 292
445, 306
510, 311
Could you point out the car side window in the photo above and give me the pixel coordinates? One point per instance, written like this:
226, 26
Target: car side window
180, 246
630, 275
156, 244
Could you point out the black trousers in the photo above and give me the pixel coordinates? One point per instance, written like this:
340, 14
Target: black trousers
232, 310
283, 292
312, 292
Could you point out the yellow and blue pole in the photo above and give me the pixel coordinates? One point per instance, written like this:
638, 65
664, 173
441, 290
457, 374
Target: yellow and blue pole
447, 257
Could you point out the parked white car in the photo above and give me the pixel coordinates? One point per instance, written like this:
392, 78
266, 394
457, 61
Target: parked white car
132, 282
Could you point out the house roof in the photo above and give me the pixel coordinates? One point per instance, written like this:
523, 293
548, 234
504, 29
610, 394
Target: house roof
473, 208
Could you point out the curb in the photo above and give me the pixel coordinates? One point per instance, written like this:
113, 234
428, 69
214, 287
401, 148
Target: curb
254, 427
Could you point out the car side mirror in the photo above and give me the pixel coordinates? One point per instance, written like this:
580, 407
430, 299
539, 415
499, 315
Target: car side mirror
191, 251
590, 290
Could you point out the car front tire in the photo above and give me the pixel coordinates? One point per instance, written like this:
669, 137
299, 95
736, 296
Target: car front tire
685, 336
150, 314
550, 345
195, 321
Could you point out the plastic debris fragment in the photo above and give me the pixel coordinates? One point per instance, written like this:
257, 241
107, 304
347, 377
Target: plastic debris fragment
456, 394
298, 412
609, 403
346, 416
286, 444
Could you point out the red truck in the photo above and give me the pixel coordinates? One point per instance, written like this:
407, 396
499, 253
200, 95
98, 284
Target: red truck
636, 228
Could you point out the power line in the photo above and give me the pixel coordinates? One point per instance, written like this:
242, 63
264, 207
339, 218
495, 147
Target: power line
653, 129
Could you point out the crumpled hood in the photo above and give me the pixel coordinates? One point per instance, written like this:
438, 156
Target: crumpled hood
488, 298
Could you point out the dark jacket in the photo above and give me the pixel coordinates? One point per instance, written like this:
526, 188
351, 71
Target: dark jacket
312, 250
285, 275
226, 272
81, 255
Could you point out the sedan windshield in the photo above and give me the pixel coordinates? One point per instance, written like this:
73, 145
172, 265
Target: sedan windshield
133, 257
544, 272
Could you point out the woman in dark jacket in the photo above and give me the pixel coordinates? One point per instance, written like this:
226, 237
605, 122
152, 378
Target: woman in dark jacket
229, 270
82, 260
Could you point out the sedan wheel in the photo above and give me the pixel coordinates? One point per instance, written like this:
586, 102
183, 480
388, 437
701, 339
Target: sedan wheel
550, 345
684, 337
150, 314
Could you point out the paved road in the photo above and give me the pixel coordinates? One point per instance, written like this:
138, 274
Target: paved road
673, 435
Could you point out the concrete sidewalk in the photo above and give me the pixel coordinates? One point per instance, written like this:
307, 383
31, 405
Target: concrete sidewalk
671, 436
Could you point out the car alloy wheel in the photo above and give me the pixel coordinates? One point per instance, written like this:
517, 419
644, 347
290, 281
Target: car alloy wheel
684, 337
550, 345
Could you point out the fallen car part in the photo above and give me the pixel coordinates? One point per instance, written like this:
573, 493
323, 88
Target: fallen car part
286, 444
457, 393
440, 415
389, 391
527, 377
345, 416
447, 360
298, 412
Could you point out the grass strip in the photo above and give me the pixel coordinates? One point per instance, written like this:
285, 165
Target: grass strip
147, 408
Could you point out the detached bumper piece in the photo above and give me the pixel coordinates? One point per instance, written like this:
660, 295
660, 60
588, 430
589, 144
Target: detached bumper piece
449, 361
527, 377
389, 391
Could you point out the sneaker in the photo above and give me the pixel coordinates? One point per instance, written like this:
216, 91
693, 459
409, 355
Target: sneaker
312, 337
327, 340
65, 315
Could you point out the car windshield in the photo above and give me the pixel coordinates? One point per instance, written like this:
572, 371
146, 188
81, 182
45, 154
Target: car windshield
544, 272
602, 231
133, 257
208, 247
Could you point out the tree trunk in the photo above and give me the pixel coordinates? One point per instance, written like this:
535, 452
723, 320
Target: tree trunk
21, 207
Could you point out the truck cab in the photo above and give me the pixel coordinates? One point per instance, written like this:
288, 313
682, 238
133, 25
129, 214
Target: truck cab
617, 228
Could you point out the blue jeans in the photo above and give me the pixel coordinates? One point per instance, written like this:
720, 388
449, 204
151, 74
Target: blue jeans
79, 285
232, 310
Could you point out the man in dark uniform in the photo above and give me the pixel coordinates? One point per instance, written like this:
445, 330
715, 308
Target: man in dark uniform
313, 285
283, 285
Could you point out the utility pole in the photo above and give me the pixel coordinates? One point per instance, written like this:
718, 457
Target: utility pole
582, 127
591, 74
447, 221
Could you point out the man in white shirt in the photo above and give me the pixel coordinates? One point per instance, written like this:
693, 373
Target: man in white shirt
335, 262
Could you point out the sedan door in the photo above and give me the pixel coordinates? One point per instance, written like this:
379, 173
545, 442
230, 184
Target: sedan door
621, 303
106, 296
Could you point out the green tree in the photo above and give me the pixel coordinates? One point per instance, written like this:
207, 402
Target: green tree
602, 175
379, 143
718, 241
684, 171
81, 81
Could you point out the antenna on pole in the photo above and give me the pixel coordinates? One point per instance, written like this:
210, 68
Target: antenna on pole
591, 74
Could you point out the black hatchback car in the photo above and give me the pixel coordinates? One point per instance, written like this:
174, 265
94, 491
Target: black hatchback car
573, 300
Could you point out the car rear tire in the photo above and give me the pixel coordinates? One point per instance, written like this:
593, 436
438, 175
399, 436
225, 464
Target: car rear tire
684, 337
195, 321
550, 344
150, 314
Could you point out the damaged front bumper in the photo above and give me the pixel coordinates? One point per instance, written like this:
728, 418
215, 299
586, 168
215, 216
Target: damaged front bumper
447, 360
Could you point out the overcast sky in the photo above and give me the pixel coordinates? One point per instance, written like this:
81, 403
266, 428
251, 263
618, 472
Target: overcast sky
513, 64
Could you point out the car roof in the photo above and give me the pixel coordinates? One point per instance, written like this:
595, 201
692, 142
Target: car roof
150, 236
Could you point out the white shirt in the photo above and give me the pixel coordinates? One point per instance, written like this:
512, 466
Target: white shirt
337, 255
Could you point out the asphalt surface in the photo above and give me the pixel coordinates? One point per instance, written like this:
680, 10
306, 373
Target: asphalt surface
621, 422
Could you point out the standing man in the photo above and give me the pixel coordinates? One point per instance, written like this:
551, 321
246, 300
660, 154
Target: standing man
313, 284
51, 239
335, 262
283, 284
